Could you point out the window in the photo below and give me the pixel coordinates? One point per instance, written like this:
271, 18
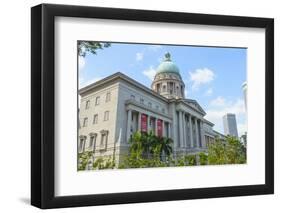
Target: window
95, 121
106, 116
164, 88
149, 104
142, 101
81, 144
163, 110
108, 97
87, 104
98, 100
104, 138
133, 97
92, 139
157, 107
85, 122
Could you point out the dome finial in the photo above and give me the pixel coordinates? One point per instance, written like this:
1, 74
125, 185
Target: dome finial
167, 56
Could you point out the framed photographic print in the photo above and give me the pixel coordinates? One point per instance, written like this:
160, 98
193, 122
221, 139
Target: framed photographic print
139, 106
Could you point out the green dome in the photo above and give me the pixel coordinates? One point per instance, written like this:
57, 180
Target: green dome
167, 66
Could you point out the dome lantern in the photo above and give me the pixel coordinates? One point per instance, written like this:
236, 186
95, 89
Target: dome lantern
167, 66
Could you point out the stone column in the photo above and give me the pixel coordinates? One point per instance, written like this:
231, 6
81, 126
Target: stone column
139, 122
191, 132
181, 129
148, 123
203, 143
129, 119
163, 129
169, 130
196, 133
155, 130
184, 131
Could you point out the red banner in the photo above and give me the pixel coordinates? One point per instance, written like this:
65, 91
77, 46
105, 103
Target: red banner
159, 128
143, 123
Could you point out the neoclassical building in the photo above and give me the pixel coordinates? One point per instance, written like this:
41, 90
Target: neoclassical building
112, 109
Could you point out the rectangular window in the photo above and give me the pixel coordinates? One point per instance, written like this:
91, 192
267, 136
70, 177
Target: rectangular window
81, 145
98, 100
95, 121
106, 115
87, 104
102, 139
85, 122
108, 97
103, 142
92, 139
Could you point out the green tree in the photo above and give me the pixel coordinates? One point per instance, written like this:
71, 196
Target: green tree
136, 144
235, 152
230, 151
146, 150
165, 144
216, 152
203, 158
90, 46
83, 160
103, 163
191, 160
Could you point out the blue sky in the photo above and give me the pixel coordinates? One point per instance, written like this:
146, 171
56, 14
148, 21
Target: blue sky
213, 76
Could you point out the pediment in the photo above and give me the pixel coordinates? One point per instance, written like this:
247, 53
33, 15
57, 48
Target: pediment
195, 105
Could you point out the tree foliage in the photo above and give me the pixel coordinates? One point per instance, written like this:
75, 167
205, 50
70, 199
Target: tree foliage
83, 160
91, 46
230, 151
148, 150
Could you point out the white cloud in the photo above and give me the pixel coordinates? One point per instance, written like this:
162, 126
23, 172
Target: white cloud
185, 93
242, 128
81, 63
200, 77
86, 83
218, 102
220, 106
139, 56
209, 92
150, 73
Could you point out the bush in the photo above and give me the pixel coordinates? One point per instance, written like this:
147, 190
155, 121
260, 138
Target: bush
103, 163
83, 159
203, 158
191, 159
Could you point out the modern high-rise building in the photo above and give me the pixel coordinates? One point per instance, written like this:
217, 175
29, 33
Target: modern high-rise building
230, 125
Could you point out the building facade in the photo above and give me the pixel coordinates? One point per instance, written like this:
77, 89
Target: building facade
115, 107
230, 125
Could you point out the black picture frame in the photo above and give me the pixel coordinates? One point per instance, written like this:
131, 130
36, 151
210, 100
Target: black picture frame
43, 105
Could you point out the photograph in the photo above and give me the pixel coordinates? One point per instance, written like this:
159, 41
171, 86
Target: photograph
141, 105
160, 105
